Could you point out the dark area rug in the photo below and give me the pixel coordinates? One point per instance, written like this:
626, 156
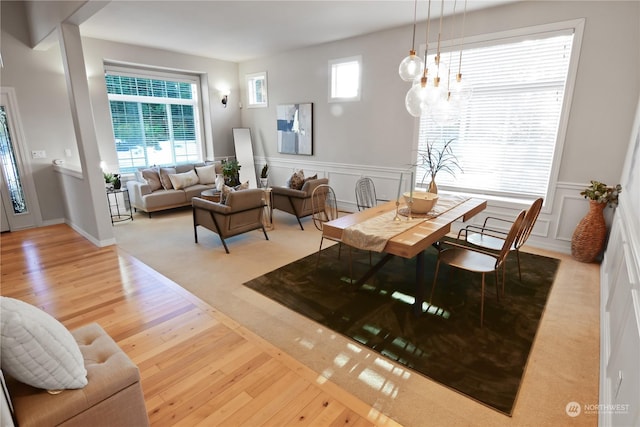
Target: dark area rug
445, 342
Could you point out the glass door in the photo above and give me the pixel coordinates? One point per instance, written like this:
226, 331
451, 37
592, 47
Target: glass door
15, 203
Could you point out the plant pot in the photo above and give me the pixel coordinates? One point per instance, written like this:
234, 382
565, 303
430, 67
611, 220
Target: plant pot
590, 234
264, 182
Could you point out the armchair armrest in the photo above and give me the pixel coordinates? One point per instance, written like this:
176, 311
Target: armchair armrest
208, 205
468, 248
499, 234
289, 192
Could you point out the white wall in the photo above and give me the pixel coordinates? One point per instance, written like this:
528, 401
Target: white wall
620, 301
376, 135
39, 81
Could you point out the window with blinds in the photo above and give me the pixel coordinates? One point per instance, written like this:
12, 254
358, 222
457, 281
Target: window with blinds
155, 121
506, 136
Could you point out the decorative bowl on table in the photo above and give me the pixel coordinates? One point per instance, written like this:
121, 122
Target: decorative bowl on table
423, 202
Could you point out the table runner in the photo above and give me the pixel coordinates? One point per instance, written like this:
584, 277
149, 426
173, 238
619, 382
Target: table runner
374, 233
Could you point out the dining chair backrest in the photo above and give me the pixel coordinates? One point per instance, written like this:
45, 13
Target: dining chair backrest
529, 221
514, 231
324, 205
365, 193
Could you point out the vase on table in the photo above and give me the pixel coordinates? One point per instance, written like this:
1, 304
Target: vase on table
117, 184
433, 188
590, 234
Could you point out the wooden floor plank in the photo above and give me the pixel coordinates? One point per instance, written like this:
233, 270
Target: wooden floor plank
198, 367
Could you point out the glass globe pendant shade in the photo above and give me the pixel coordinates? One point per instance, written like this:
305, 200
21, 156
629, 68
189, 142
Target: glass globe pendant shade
461, 89
410, 67
445, 111
417, 99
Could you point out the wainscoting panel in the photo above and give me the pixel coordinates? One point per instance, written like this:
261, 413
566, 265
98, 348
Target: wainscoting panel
553, 230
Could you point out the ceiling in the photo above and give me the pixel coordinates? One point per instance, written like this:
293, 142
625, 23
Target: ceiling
242, 30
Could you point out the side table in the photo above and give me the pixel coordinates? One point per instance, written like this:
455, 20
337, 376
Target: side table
119, 205
267, 216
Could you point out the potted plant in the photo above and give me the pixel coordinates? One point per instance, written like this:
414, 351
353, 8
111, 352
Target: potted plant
590, 235
264, 176
231, 172
434, 159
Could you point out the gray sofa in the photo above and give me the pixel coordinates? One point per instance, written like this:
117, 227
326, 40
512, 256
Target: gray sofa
158, 188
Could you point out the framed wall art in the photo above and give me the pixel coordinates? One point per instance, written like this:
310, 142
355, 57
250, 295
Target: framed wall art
295, 128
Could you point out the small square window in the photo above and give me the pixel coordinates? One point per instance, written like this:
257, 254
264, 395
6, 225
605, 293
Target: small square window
257, 90
345, 79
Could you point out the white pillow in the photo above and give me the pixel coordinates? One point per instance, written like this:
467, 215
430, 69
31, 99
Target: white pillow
38, 350
206, 174
182, 180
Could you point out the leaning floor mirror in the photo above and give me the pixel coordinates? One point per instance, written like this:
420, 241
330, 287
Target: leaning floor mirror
244, 155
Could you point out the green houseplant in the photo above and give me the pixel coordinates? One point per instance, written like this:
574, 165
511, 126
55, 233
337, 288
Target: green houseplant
601, 193
264, 176
231, 172
435, 158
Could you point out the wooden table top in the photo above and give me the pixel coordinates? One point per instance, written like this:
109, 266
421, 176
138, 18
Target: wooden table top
416, 239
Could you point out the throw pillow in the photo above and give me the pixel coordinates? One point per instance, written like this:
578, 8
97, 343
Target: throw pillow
297, 180
182, 180
152, 178
242, 186
206, 174
38, 350
225, 192
164, 177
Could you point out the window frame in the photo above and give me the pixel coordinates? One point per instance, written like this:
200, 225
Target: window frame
575, 25
156, 74
332, 84
252, 90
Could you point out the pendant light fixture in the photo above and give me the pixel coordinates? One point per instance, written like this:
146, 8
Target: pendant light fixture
436, 93
411, 66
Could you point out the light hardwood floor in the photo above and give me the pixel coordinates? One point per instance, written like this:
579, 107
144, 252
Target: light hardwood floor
198, 366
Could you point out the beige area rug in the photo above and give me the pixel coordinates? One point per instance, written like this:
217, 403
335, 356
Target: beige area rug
563, 365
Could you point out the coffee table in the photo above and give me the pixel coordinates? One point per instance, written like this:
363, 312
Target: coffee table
212, 195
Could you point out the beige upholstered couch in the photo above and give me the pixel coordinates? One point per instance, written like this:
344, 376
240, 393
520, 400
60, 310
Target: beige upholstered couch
112, 397
160, 188
296, 202
242, 211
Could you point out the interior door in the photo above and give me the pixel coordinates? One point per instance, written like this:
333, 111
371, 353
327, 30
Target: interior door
18, 202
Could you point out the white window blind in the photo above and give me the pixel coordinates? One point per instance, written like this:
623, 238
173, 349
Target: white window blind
155, 119
506, 135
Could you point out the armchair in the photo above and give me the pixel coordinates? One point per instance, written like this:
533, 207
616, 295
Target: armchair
241, 212
296, 202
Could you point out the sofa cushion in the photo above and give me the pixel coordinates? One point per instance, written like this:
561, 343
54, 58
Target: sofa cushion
164, 177
152, 177
297, 180
182, 180
206, 174
38, 350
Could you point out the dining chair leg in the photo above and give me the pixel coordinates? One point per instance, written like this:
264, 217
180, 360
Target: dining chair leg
518, 258
319, 252
497, 285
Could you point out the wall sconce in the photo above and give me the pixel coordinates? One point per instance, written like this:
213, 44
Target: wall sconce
224, 93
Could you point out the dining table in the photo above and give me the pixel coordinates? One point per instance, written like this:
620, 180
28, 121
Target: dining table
389, 229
